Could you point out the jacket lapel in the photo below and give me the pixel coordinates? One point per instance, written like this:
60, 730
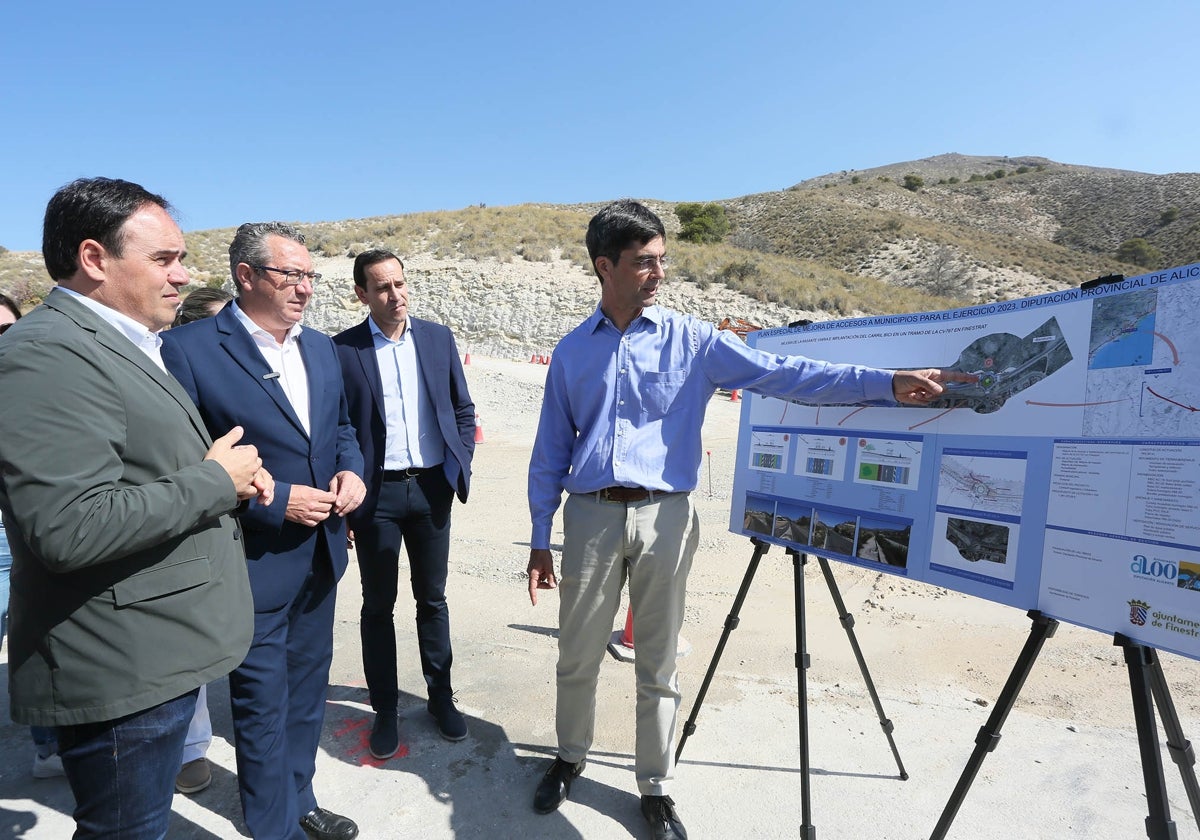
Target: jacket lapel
245, 353
108, 337
427, 360
316, 384
367, 358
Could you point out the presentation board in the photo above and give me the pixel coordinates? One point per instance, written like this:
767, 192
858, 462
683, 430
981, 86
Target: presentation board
1067, 479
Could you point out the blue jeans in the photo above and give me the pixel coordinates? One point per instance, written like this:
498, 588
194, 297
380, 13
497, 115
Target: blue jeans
5, 568
122, 771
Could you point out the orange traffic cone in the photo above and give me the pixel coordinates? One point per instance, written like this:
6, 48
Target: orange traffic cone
533, 360
627, 636
478, 429
467, 358
733, 396
620, 643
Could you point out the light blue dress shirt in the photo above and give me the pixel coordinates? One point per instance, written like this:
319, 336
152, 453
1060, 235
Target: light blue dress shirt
414, 438
627, 408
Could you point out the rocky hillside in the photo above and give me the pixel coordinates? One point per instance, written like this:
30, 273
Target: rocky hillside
1011, 226
913, 236
515, 310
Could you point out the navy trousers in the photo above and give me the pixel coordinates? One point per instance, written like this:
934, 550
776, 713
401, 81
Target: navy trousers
277, 696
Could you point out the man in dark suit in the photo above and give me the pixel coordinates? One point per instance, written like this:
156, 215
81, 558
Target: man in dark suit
129, 588
416, 426
253, 365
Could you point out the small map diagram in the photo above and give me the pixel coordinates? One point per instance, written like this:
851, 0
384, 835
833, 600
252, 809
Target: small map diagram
982, 483
1006, 364
1142, 363
1123, 330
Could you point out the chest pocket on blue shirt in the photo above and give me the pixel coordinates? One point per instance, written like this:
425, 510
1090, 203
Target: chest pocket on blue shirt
661, 390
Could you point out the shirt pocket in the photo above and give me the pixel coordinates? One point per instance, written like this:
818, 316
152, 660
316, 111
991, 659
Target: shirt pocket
661, 391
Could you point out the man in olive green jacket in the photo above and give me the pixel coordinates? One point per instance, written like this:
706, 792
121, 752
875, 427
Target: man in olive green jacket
129, 587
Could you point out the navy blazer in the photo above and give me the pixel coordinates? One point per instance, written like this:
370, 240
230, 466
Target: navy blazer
218, 364
446, 384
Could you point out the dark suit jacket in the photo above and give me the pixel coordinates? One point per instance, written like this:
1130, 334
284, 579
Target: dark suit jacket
442, 373
219, 365
128, 583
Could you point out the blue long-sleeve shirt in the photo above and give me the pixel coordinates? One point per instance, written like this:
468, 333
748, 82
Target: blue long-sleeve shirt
627, 408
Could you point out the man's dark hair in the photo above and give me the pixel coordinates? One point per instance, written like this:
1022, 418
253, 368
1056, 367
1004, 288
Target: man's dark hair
90, 208
618, 226
369, 258
249, 244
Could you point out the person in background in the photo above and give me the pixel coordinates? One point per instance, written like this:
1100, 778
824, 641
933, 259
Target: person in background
416, 427
619, 431
129, 584
253, 365
46, 762
195, 774
203, 302
9, 312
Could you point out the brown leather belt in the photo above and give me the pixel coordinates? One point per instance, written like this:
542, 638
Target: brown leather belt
626, 494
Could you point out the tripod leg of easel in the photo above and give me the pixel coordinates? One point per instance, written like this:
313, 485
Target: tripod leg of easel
847, 622
1178, 746
731, 622
989, 735
807, 830
1138, 658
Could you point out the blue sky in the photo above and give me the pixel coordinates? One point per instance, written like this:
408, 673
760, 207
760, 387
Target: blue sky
305, 111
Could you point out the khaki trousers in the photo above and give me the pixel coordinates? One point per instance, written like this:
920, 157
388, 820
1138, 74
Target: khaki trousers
650, 544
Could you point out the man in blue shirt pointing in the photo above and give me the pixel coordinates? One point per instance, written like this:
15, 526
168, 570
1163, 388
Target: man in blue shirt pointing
620, 433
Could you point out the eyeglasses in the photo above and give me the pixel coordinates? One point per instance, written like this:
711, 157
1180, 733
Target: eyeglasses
646, 264
292, 277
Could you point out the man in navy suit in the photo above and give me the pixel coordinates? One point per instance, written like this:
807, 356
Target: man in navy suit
416, 426
253, 365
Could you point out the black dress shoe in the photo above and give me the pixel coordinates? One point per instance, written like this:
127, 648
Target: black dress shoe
385, 736
659, 811
555, 786
326, 825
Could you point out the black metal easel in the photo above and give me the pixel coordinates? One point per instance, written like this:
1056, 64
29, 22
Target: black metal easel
807, 829
989, 734
1149, 689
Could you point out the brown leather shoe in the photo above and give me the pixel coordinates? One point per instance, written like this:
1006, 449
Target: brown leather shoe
555, 786
194, 776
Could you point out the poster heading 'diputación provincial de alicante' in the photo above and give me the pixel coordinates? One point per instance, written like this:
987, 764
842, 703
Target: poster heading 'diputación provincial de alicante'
1067, 479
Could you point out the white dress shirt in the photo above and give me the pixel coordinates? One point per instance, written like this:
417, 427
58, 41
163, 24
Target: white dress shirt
285, 360
148, 342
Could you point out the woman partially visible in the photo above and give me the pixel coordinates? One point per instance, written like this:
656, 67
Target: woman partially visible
200, 304
9, 314
46, 762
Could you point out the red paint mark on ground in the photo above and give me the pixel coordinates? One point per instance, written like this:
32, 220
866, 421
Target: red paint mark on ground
357, 735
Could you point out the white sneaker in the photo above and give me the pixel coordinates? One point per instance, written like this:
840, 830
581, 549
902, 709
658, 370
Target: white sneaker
47, 767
